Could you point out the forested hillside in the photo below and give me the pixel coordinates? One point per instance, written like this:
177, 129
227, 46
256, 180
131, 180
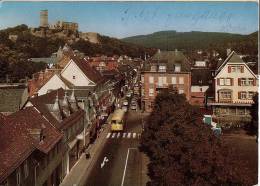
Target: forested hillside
170, 40
14, 54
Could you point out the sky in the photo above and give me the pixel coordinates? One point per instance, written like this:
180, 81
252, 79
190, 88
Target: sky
124, 19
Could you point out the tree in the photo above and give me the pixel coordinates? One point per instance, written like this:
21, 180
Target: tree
183, 150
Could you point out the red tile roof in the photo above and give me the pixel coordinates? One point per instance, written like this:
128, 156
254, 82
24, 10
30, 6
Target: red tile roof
16, 141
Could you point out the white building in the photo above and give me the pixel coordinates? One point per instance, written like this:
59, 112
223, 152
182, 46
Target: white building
235, 86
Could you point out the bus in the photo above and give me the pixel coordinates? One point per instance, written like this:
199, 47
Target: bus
117, 120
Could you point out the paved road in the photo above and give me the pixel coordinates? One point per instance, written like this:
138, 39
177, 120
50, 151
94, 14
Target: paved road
123, 162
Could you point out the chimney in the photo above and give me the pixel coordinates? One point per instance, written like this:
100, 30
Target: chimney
228, 51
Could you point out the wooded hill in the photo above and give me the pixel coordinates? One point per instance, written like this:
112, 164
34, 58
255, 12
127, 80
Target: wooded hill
170, 40
15, 54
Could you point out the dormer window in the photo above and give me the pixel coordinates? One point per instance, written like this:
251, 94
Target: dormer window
177, 68
162, 68
153, 68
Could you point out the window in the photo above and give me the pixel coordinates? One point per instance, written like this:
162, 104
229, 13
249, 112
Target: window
142, 79
251, 95
153, 68
25, 167
162, 68
174, 80
243, 82
236, 69
181, 80
181, 91
228, 82
73, 77
243, 95
151, 79
177, 68
225, 95
250, 82
222, 81
225, 81
18, 176
151, 92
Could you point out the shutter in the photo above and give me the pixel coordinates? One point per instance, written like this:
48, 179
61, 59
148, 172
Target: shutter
231, 81
239, 81
218, 81
242, 69
254, 82
229, 69
239, 95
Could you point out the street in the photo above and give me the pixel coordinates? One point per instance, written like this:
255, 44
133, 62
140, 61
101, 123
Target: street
120, 163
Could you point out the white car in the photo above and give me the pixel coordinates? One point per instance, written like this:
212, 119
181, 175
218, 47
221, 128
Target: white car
125, 103
128, 95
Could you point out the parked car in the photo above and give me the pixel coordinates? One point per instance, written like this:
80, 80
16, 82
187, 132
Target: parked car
128, 95
125, 102
133, 107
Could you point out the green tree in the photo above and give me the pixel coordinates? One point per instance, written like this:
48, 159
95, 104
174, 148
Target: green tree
183, 150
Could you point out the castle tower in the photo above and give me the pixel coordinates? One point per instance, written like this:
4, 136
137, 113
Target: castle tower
44, 18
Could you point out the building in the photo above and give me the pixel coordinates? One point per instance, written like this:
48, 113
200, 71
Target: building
235, 86
13, 97
72, 26
31, 150
62, 111
165, 69
201, 82
44, 18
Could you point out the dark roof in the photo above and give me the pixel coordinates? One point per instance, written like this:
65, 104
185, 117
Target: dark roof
232, 58
90, 72
47, 60
12, 98
171, 58
201, 76
41, 102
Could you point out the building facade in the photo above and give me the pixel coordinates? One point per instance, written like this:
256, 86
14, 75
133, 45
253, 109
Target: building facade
166, 69
235, 86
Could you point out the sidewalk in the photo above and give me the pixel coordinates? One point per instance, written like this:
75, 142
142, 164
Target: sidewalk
79, 172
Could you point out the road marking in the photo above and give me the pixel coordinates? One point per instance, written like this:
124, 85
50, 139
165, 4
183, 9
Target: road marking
118, 135
108, 135
129, 135
113, 135
123, 179
124, 135
134, 135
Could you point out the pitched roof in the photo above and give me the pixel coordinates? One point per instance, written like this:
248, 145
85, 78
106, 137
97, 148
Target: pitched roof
172, 58
90, 72
16, 145
12, 98
17, 142
42, 102
32, 119
232, 58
